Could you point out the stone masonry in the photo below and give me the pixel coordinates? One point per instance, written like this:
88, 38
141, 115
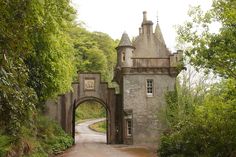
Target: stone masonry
145, 71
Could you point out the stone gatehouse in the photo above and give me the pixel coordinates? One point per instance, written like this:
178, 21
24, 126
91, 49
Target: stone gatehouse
145, 71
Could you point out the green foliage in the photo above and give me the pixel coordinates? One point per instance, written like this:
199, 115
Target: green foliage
36, 59
90, 110
16, 99
36, 32
212, 51
40, 49
5, 144
209, 130
51, 137
95, 52
44, 139
51, 63
181, 102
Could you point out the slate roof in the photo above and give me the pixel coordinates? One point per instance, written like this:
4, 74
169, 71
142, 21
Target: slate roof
125, 41
159, 34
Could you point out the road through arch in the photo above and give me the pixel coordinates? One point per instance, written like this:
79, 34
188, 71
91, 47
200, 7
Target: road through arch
89, 87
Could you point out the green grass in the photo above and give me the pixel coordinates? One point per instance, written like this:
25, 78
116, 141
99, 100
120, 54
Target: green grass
99, 126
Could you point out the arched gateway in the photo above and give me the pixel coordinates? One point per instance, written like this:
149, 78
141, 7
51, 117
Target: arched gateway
145, 71
88, 88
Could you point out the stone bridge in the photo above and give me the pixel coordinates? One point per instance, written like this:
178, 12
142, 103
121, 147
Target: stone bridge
89, 87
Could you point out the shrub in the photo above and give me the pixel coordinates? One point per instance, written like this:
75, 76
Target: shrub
209, 131
51, 136
5, 144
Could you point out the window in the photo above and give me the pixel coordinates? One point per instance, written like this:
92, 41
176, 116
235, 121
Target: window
129, 127
149, 87
123, 56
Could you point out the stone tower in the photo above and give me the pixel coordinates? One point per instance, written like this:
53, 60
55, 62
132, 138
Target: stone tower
145, 71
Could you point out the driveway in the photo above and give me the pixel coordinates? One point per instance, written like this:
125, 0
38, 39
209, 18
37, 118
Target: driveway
93, 144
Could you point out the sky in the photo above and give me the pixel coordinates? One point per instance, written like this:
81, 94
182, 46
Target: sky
117, 16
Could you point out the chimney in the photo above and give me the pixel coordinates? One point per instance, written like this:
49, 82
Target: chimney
147, 26
144, 16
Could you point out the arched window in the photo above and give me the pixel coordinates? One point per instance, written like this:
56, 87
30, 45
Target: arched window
123, 56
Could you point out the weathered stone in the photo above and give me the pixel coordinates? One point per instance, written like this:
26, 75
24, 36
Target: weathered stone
151, 60
89, 88
145, 71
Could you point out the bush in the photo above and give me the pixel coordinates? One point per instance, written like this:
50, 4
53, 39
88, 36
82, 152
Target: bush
51, 136
5, 144
210, 130
45, 139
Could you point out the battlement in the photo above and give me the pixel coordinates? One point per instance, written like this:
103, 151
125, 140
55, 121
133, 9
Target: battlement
176, 58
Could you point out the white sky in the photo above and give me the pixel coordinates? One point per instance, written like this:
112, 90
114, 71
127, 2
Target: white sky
116, 16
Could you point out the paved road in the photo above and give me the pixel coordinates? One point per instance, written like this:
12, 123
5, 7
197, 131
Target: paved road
93, 144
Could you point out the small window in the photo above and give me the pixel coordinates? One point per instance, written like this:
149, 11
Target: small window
123, 56
149, 87
129, 127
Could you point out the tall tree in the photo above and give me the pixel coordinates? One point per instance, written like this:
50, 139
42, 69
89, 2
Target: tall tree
210, 128
214, 51
36, 59
94, 52
16, 98
51, 62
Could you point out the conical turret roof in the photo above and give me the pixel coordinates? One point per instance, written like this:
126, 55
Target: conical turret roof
158, 34
125, 41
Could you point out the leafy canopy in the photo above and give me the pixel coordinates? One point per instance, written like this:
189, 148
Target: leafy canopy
209, 50
94, 52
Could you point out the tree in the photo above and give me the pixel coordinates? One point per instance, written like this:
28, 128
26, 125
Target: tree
35, 51
51, 63
201, 124
212, 51
210, 128
94, 52
107, 45
16, 98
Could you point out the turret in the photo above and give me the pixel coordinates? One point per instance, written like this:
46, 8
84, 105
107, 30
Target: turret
176, 58
158, 34
125, 52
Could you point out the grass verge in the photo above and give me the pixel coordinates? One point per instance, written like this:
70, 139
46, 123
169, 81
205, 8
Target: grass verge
99, 127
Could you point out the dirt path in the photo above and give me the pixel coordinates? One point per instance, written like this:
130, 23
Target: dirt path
93, 144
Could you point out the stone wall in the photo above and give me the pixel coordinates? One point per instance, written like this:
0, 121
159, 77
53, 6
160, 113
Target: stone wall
62, 108
147, 112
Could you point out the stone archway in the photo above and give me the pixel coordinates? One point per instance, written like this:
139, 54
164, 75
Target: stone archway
89, 87
108, 115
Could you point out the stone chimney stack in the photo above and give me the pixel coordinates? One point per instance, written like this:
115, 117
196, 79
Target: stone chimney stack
147, 26
144, 16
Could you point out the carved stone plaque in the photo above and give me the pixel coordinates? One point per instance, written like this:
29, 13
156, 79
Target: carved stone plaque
89, 84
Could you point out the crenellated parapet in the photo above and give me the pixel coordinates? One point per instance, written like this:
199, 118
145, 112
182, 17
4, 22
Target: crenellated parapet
145, 71
147, 53
176, 58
